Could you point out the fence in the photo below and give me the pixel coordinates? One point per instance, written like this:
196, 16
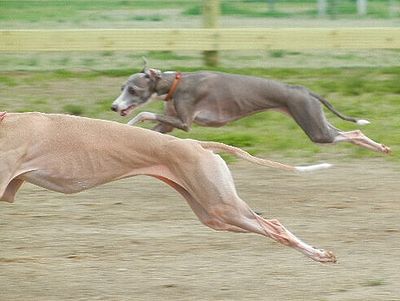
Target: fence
199, 39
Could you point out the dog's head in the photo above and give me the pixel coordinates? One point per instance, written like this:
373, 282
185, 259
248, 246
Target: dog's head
137, 91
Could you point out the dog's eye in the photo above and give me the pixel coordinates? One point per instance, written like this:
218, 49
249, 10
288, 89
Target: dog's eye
131, 91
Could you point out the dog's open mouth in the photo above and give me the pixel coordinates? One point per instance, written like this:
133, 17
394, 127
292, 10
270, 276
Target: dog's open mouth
127, 111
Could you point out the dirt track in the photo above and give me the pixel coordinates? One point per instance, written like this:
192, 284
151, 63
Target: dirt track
137, 239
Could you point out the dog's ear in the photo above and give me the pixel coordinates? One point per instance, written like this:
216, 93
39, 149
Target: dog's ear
153, 74
145, 68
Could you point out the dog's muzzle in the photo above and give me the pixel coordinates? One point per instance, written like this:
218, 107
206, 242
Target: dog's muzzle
114, 108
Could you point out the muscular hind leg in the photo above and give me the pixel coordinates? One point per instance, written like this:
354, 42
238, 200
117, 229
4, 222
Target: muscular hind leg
310, 117
212, 196
308, 114
236, 216
207, 219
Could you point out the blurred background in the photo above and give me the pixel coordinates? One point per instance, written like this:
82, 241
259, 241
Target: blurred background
186, 14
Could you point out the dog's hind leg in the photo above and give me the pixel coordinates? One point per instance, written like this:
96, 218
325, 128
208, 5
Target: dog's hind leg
208, 186
308, 114
204, 217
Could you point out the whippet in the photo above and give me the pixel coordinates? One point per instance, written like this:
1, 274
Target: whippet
69, 154
215, 99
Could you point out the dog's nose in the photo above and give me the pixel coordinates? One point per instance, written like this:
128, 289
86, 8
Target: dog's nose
114, 108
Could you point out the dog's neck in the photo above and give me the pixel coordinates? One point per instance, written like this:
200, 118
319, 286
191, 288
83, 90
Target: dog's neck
164, 84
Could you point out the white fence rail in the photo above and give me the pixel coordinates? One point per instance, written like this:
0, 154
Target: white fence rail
199, 39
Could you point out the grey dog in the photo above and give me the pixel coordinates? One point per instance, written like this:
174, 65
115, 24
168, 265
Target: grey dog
215, 99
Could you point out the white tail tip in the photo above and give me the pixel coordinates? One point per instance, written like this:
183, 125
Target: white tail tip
363, 122
313, 167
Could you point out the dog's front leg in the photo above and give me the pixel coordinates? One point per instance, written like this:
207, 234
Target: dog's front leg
170, 121
169, 110
167, 120
163, 128
142, 117
173, 121
178, 115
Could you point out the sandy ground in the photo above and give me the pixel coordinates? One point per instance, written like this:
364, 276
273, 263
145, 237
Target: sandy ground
137, 239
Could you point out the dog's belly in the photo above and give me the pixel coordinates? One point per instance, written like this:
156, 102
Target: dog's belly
207, 118
58, 183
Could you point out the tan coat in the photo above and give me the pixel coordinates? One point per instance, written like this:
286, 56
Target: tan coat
69, 154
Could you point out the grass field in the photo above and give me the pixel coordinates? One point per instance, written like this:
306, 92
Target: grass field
186, 13
139, 10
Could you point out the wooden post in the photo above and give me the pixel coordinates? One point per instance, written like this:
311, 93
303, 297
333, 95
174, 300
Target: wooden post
210, 20
393, 8
362, 6
271, 6
333, 8
322, 8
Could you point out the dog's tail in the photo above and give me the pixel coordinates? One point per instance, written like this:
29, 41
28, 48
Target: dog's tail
327, 104
238, 152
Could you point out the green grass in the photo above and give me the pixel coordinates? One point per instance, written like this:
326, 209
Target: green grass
167, 55
370, 93
293, 8
73, 109
238, 8
77, 10
78, 13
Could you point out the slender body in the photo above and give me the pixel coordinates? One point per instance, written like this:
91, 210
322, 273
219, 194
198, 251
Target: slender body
69, 154
215, 99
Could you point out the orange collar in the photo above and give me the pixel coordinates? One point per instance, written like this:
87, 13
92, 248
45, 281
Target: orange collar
171, 91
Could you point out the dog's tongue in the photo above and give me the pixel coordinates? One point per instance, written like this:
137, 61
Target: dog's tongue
126, 111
